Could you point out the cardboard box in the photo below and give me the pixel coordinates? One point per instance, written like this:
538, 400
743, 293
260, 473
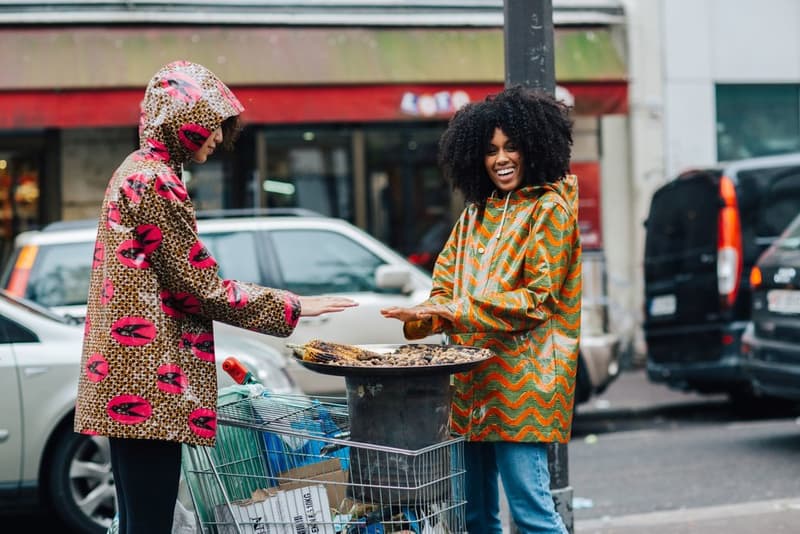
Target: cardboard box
306, 510
300, 504
302, 510
261, 515
329, 473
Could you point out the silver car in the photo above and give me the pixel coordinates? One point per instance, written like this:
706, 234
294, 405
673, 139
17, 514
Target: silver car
41, 458
308, 255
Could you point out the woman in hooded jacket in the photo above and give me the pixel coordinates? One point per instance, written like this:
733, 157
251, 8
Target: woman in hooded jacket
148, 378
508, 279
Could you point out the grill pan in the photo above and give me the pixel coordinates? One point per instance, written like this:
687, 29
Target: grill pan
396, 370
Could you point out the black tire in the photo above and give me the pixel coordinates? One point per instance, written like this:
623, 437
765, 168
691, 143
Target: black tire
745, 402
583, 385
78, 482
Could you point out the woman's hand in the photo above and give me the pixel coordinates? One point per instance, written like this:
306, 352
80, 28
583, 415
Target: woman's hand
418, 312
313, 306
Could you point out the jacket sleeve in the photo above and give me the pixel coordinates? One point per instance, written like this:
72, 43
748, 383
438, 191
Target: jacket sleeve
441, 292
548, 254
186, 272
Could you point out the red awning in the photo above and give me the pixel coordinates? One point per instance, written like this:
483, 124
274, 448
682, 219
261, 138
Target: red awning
288, 104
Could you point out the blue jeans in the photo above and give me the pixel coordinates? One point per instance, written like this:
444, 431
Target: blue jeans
523, 469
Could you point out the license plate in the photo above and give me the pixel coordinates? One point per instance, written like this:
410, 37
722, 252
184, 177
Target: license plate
783, 301
663, 305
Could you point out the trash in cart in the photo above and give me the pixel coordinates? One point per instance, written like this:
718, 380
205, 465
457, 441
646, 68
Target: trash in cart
269, 511
285, 464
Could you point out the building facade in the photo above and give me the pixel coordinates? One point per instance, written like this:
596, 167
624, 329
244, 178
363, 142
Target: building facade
345, 103
709, 81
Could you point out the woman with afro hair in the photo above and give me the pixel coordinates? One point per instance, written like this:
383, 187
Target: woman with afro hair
509, 279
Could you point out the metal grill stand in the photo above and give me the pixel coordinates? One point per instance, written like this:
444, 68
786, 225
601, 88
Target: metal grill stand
406, 412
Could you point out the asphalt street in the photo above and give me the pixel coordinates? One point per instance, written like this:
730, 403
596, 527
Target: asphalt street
682, 463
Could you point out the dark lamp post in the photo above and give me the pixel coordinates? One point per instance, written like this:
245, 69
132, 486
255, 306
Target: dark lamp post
530, 61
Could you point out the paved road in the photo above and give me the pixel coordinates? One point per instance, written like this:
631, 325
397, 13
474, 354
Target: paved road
646, 459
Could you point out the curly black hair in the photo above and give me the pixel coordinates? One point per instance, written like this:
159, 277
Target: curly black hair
537, 123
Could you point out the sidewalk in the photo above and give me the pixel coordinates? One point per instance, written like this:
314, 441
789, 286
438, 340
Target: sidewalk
774, 516
632, 393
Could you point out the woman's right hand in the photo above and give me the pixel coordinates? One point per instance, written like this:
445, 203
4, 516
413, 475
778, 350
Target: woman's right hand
402, 314
313, 306
417, 313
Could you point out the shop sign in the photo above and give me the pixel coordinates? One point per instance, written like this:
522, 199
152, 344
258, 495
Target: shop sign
433, 104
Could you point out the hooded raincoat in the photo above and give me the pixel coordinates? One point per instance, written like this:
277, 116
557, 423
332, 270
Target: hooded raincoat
511, 274
147, 369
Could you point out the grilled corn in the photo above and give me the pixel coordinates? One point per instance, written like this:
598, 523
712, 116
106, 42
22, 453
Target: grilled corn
328, 352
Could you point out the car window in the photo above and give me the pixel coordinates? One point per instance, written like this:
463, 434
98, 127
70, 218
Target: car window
321, 261
791, 239
235, 253
11, 332
769, 199
60, 276
780, 204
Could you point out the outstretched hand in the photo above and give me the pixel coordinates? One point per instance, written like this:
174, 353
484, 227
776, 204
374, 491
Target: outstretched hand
313, 306
417, 312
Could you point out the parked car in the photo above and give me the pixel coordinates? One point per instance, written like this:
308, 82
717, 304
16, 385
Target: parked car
771, 344
41, 459
705, 230
292, 250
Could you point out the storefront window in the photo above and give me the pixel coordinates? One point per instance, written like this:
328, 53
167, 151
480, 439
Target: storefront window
409, 203
19, 195
308, 168
406, 202
757, 120
206, 185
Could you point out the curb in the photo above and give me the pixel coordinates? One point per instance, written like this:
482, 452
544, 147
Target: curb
676, 408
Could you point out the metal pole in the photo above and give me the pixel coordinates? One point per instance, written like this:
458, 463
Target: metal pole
530, 58
530, 61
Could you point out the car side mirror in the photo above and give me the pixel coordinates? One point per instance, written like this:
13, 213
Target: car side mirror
393, 278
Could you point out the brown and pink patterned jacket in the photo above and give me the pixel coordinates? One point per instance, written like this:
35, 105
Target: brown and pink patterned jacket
148, 369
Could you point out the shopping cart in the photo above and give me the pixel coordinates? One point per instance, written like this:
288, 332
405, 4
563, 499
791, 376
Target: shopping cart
286, 464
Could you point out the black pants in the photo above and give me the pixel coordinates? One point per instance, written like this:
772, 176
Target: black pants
146, 476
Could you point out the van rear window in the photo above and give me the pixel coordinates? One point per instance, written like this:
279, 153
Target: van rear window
683, 217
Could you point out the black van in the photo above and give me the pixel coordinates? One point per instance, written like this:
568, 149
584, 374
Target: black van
705, 230
771, 344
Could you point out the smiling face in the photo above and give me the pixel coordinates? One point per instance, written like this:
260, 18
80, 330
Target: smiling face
503, 162
201, 154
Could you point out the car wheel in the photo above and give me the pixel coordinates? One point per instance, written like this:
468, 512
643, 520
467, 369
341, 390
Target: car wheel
80, 483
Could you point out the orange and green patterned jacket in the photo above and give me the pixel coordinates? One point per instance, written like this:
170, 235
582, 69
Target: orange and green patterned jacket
511, 273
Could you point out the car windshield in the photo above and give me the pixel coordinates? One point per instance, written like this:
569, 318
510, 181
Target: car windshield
32, 307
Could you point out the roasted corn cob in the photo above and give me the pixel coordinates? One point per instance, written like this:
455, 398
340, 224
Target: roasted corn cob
328, 352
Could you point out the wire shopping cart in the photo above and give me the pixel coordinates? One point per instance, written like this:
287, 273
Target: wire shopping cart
286, 464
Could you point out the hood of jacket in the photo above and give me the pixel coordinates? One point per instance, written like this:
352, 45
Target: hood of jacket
183, 105
567, 189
